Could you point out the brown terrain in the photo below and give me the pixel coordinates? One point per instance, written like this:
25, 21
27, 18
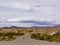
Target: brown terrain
42, 30
25, 39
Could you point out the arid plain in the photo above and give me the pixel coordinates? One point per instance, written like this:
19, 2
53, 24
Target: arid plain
25, 39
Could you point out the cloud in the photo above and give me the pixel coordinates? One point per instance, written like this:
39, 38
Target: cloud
43, 9
14, 4
37, 22
26, 21
26, 18
26, 4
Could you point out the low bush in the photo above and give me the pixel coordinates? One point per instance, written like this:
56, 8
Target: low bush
50, 38
9, 36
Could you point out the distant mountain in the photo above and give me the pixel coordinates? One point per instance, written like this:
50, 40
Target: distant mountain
16, 27
26, 23
11, 27
57, 25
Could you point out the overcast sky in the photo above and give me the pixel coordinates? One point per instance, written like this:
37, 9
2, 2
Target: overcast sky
30, 9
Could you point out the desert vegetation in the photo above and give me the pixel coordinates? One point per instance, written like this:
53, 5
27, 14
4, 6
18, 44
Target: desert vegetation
9, 36
46, 37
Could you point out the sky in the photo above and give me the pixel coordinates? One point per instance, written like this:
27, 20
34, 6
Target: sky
41, 10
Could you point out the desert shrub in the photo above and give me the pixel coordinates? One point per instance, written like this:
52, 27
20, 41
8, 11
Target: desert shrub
50, 38
33, 35
36, 36
9, 36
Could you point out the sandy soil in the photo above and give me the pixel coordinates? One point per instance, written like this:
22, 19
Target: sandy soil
25, 40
